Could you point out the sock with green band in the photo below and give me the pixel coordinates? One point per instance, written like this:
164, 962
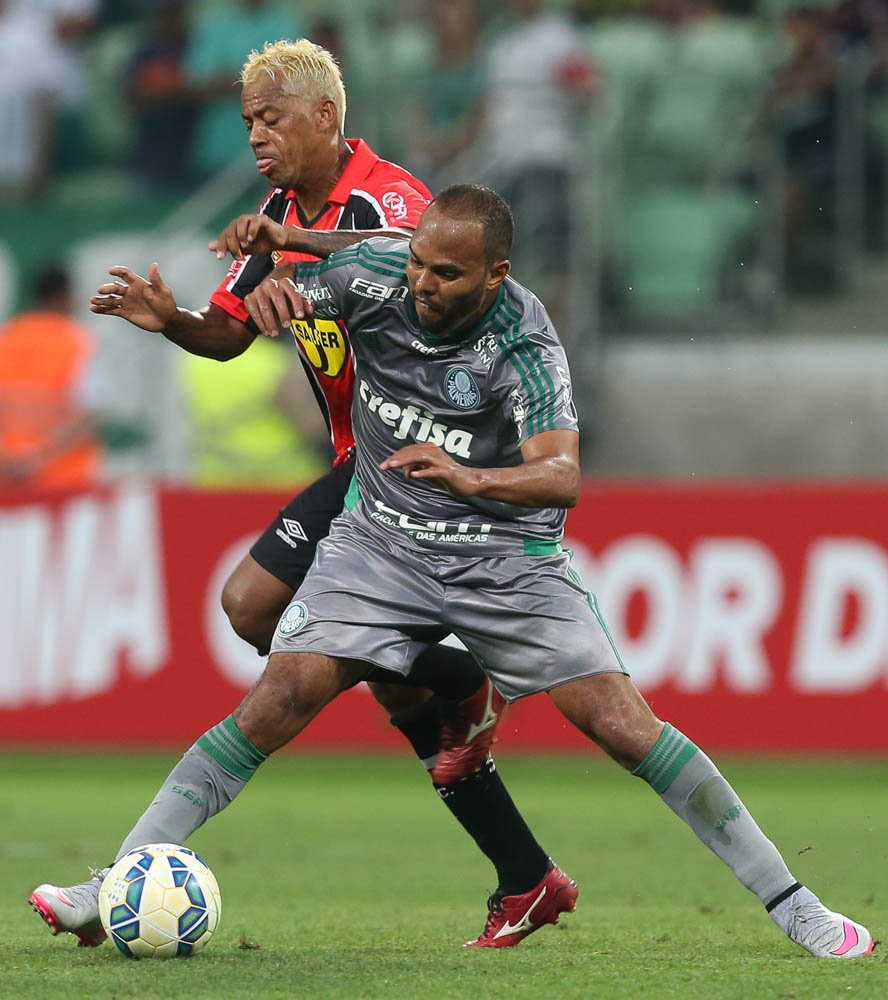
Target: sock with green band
203, 783
694, 789
228, 746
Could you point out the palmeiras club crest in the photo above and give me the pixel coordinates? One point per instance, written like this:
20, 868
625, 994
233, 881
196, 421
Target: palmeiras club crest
461, 388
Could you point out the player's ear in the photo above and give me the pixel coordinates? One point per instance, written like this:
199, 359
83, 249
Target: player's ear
326, 115
497, 274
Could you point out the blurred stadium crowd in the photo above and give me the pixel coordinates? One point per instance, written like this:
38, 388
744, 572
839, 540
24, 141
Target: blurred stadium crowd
674, 165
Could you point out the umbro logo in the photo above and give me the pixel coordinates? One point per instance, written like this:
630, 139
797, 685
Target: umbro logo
294, 529
292, 533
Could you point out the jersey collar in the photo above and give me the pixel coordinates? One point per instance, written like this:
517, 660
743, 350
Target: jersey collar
360, 164
474, 331
357, 170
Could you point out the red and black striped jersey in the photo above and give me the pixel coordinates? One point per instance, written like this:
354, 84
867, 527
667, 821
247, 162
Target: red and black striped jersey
371, 193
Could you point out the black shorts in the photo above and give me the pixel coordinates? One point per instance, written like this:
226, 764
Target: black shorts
286, 548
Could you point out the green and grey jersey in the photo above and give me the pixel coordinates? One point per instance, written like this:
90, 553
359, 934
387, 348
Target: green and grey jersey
480, 398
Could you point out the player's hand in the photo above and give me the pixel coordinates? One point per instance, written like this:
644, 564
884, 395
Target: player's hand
249, 234
146, 303
274, 302
428, 461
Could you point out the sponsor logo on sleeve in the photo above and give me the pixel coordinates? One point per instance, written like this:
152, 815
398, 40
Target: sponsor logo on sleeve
395, 205
377, 291
318, 293
519, 411
570, 411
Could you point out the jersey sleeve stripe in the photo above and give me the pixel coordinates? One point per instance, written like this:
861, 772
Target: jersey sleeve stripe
550, 393
397, 258
527, 361
342, 259
518, 355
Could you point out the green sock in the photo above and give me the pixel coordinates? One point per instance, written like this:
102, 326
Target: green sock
694, 789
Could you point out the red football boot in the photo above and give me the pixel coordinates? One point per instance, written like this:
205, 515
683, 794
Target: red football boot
467, 733
512, 918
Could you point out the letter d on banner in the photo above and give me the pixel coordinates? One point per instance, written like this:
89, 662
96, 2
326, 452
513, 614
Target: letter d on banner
826, 658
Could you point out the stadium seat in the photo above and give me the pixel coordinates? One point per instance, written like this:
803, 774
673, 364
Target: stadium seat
633, 54
704, 99
675, 246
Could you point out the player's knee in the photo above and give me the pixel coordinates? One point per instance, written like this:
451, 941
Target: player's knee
397, 699
243, 614
293, 688
611, 711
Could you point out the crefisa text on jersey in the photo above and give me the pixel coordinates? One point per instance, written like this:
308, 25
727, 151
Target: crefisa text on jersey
405, 419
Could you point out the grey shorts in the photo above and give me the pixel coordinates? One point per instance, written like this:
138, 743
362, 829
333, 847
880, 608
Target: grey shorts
527, 619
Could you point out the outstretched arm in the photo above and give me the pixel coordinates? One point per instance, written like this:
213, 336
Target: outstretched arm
258, 234
549, 476
149, 304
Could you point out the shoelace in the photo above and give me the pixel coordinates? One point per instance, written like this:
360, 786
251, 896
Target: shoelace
494, 909
819, 928
84, 894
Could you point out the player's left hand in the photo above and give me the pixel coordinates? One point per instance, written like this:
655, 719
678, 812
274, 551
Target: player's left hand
274, 302
249, 234
428, 461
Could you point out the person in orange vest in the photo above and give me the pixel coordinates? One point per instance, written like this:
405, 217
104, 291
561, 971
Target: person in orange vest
49, 438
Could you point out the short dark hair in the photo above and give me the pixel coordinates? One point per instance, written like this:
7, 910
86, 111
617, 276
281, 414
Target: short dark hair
476, 203
49, 281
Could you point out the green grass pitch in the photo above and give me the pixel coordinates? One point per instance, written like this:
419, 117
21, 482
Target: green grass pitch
344, 877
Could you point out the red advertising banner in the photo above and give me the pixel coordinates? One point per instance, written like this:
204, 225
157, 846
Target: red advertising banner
753, 616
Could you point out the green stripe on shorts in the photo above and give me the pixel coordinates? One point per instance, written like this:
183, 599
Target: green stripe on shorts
352, 494
542, 546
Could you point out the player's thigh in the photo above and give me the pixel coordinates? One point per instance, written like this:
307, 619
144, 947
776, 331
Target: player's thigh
531, 623
364, 598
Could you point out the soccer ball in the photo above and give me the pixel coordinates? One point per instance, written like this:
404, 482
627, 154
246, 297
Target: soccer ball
160, 901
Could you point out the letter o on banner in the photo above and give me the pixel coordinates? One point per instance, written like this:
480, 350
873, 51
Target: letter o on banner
643, 564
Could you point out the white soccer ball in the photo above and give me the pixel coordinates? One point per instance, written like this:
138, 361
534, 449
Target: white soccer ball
160, 901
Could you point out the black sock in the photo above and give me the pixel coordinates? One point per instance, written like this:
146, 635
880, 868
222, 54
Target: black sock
482, 806
452, 673
422, 728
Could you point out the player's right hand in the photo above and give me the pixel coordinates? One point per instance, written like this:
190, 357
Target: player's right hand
249, 234
274, 302
146, 303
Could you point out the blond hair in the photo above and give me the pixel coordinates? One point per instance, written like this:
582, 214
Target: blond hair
308, 71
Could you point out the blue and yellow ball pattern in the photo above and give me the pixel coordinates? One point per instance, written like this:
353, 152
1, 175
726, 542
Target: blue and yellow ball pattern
160, 901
